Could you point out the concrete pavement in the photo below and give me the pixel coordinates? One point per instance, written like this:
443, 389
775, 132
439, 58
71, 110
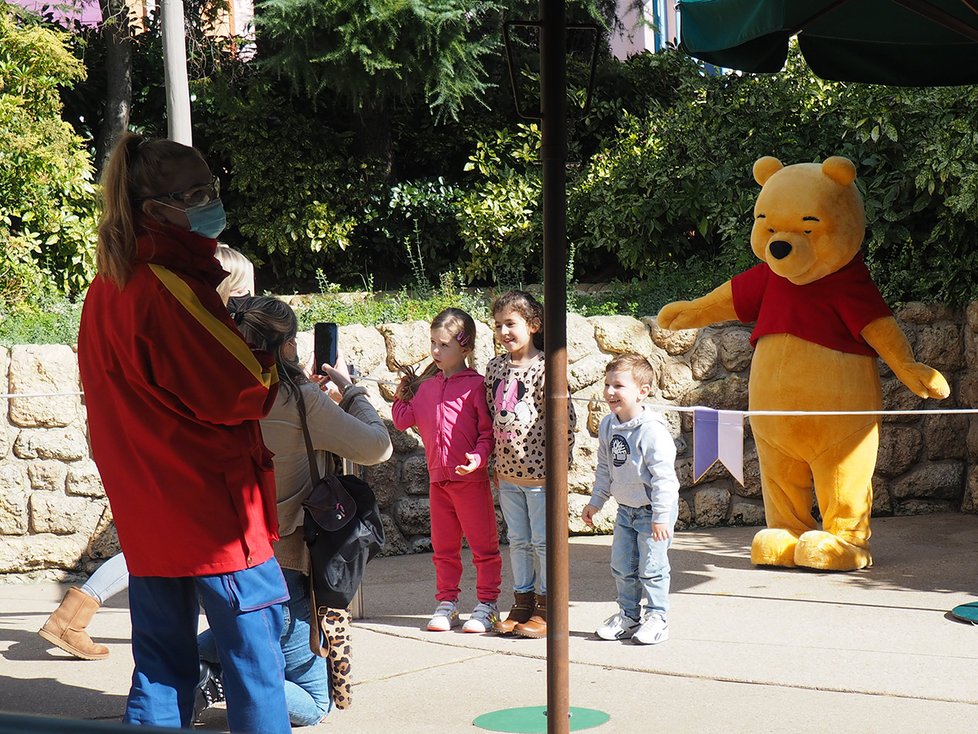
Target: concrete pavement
751, 650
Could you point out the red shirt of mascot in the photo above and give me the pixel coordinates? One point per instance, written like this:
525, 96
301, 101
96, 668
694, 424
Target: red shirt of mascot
820, 324
174, 395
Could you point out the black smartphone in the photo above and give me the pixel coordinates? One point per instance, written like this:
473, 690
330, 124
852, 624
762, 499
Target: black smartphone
325, 337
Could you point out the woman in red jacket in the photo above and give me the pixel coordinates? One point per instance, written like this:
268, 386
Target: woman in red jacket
174, 395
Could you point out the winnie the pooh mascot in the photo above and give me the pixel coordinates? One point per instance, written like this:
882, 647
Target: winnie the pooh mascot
820, 324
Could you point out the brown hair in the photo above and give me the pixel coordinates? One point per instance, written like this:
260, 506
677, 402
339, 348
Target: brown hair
131, 174
461, 326
639, 367
268, 323
526, 306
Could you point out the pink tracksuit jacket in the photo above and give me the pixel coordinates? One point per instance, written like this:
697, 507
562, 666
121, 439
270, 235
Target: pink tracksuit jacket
452, 417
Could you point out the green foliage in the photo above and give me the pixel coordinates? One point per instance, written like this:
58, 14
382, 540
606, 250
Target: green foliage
50, 320
381, 308
372, 52
47, 212
295, 203
499, 214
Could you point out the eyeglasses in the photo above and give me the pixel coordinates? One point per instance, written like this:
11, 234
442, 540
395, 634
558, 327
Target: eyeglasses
194, 196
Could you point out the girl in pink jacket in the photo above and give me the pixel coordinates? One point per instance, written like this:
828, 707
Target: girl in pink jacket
447, 402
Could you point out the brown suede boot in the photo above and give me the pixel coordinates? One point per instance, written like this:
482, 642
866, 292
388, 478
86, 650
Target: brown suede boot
520, 612
66, 626
536, 625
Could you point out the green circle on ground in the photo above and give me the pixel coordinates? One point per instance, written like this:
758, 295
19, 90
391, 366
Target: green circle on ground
967, 612
533, 719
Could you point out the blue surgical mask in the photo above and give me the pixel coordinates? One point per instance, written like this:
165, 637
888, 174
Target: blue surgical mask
207, 220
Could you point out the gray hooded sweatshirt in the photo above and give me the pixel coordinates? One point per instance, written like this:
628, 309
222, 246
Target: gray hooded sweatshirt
637, 465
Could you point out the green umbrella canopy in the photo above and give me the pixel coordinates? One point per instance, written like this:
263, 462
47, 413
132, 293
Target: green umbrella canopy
897, 42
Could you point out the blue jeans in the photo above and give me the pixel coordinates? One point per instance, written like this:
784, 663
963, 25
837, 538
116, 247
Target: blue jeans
525, 512
640, 564
307, 689
244, 610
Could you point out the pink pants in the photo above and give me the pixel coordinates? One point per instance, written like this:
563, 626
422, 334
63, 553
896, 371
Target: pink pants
457, 508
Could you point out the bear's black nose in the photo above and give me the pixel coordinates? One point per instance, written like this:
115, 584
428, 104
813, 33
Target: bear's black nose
780, 249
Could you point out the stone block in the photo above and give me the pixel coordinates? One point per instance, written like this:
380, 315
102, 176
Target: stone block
384, 480
580, 338
624, 334
676, 380
414, 475
899, 449
882, 502
744, 512
413, 515
930, 480
942, 436
969, 503
25, 553
406, 344
44, 369
735, 349
13, 503
711, 505
673, 342
47, 475
485, 346
61, 444
922, 507
394, 542
703, 362
62, 515
916, 312
604, 521
83, 479
685, 515
941, 346
587, 372
404, 442
896, 396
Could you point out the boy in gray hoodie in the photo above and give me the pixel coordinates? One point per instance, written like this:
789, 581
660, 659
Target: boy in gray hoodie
636, 466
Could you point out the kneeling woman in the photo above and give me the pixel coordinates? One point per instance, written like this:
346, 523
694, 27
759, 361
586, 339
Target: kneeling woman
352, 430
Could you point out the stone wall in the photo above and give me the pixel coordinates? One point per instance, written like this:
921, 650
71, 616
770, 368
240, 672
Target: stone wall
54, 518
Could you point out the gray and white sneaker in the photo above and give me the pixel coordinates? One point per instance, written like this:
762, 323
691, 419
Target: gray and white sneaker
444, 618
654, 629
483, 617
617, 627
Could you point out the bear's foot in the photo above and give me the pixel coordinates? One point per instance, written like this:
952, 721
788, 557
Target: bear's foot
773, 547
827, 552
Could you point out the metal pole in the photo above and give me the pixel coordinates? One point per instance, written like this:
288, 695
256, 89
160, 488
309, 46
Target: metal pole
553, 94
175, 72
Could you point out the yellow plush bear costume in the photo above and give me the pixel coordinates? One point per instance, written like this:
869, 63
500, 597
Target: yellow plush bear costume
820, 323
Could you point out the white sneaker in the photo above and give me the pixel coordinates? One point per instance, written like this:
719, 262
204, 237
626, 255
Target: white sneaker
618, 627
654, 629
483, 617
444, 618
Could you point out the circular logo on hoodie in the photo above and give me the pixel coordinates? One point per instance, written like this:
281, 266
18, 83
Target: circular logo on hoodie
619, 450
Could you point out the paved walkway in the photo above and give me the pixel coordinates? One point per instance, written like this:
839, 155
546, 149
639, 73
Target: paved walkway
752, 650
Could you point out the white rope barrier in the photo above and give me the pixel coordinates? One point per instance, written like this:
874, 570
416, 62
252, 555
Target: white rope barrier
655, 406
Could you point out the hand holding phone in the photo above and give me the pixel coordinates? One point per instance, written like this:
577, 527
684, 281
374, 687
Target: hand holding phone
325, 344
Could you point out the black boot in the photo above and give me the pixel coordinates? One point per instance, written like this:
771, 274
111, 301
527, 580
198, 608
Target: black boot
210, 689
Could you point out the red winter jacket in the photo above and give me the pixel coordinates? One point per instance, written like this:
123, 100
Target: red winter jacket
453, 419
174, 396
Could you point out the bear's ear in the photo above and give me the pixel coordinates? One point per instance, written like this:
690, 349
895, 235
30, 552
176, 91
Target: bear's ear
839, 169
766, 167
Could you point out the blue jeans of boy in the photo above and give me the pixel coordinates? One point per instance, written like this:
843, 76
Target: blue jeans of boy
307, 689
244, 610
525, 512
640, 564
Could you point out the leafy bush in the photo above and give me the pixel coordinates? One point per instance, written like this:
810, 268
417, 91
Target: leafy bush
47, 197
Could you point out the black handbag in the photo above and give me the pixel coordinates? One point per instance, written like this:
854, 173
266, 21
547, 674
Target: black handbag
342, 529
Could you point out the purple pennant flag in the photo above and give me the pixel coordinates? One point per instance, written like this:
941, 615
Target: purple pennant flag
718, 435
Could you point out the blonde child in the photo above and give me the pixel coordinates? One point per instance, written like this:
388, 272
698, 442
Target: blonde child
447, 404
515, 392
636, 466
